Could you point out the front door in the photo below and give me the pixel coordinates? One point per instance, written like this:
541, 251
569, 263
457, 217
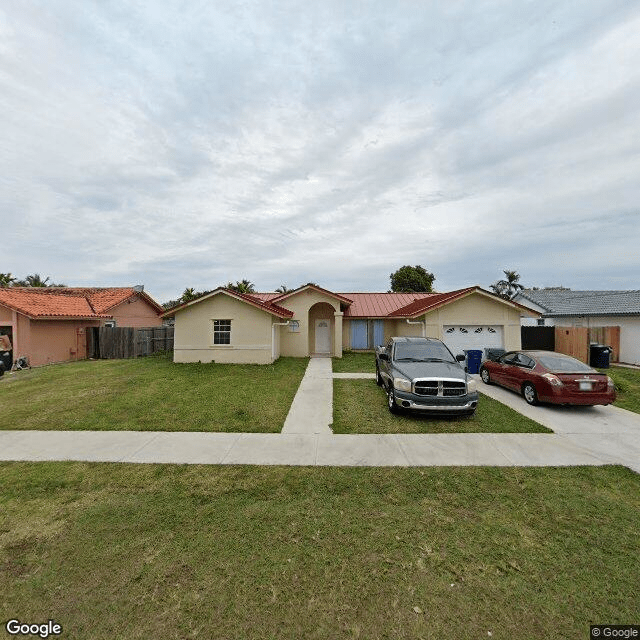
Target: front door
323, 336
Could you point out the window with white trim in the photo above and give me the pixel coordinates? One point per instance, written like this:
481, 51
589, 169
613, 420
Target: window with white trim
294, 326
222, 332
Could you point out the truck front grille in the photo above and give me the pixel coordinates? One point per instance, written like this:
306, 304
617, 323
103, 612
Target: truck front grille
453, 388
446, 388
427, 388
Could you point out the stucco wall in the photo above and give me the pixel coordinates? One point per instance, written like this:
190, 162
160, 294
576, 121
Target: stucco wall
135, 313
477, 309
250, 332
474, 309
48, 341
297, 344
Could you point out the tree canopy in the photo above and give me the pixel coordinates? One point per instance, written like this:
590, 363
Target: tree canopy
242, 286
32, 280
409, 279
6, 280
509, 286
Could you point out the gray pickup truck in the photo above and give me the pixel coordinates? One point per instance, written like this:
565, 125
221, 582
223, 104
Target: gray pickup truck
422, 374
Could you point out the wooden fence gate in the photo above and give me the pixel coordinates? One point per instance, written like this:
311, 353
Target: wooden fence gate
575, 341
127, 342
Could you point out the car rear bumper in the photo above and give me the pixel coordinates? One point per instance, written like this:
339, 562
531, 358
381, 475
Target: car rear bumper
562, 395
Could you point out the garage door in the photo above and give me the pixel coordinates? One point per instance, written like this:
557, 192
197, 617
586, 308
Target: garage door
462, 337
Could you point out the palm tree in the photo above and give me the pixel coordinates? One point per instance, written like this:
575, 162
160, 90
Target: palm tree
508, 287
188, 294
242, 286
283, 289
6, 280
35, 280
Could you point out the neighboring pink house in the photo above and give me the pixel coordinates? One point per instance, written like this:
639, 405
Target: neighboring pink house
48, 324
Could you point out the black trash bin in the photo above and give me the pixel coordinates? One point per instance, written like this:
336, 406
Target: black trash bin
493, 353
599, 356
6, 357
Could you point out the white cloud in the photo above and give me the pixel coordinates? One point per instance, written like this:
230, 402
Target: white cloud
187, 145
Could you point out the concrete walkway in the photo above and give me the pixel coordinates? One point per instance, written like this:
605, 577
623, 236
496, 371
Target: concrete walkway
312, 407
584, 436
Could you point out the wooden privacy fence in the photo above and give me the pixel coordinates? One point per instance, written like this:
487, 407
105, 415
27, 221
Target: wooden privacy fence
128, 342
574, 341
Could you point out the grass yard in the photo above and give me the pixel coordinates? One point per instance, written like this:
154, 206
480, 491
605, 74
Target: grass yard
627, 383
159, 551
151, 394
360, 406
355, 362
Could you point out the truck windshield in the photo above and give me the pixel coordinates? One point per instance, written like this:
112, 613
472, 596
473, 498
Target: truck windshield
427, 352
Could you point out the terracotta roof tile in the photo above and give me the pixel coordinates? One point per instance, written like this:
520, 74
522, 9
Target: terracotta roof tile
260, 300
67, 302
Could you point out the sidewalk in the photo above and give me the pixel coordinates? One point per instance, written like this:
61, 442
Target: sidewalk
583, 436
314, 449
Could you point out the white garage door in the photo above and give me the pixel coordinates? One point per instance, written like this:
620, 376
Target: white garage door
462, 337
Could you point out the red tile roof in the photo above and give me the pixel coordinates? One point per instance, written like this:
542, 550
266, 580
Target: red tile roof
265, 304
315, 287
419, 306
68, 302
364, 305
255, 299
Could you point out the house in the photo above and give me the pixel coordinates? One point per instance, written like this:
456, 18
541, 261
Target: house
567, 308
226, 326
48, 324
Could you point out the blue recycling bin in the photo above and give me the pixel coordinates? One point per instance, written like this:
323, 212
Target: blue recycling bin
474, 359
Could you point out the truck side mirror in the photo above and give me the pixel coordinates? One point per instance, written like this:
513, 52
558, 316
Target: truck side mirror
461, 358
384, 356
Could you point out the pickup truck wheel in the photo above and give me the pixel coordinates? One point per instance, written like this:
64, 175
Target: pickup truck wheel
378, 377
484, 374
391, 402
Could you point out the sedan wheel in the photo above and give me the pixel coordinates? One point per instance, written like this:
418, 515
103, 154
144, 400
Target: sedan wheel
529, 393
484, 374
391, 401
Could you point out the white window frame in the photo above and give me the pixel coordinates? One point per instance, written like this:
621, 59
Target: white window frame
219, 331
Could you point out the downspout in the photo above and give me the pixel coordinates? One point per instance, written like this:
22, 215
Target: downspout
422, 322
273, 337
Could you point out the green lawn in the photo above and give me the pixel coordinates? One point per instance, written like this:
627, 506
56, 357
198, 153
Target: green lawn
166, 551
355, 362
151, 394
360, 406
627, 383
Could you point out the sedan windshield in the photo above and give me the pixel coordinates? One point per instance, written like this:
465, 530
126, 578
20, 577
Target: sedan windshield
563, 364
418, 352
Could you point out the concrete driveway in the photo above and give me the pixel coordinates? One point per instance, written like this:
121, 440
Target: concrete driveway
610, 433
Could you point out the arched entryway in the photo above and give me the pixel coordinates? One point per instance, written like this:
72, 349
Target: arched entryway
321, 328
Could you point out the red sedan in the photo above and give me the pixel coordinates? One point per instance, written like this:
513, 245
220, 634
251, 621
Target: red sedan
547, 376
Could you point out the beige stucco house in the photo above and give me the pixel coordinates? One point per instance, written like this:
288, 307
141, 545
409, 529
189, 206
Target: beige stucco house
226, 326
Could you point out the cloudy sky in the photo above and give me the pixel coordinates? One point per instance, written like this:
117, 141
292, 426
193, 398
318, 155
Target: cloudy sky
191, 143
